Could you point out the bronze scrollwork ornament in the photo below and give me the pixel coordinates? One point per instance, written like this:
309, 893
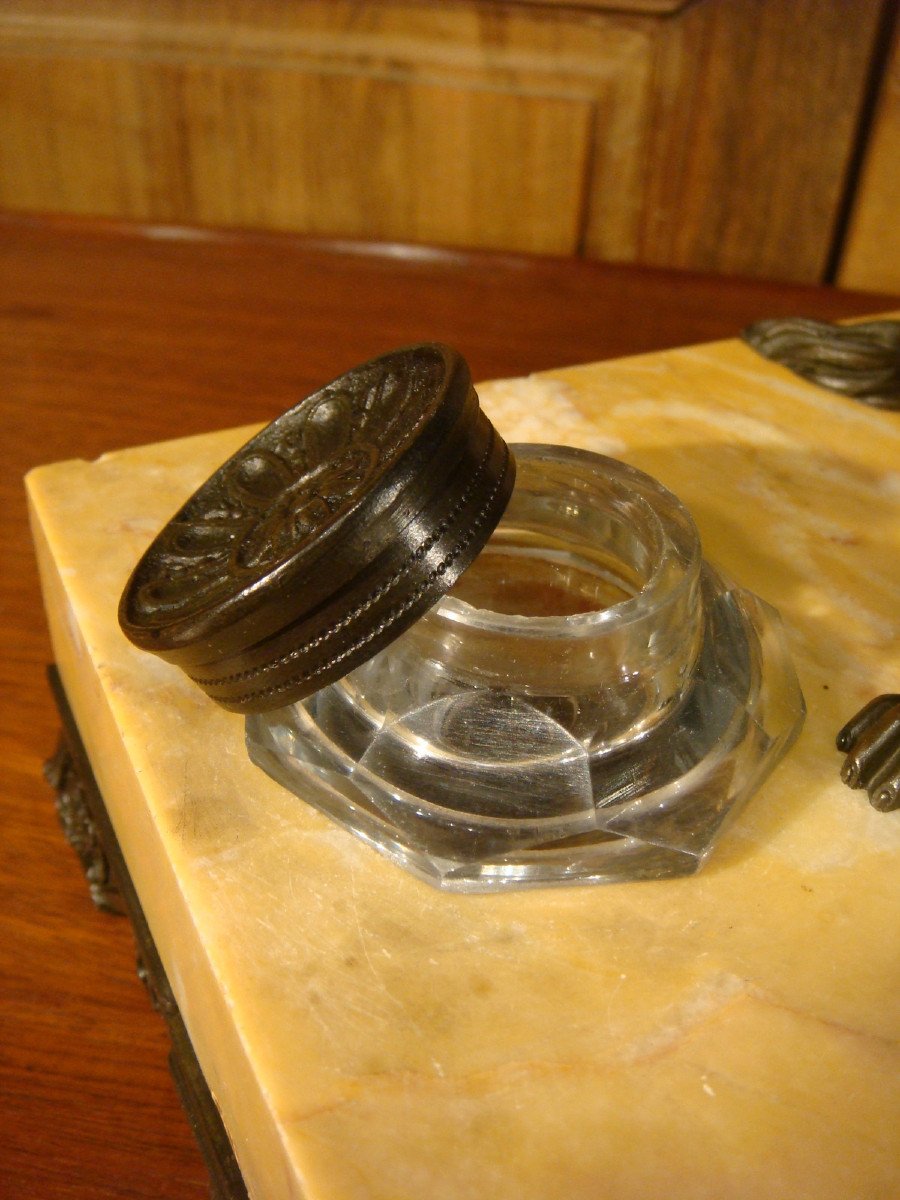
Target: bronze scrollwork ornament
860, 361
871, 742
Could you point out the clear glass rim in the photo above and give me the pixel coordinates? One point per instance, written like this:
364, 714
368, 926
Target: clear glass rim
677, 552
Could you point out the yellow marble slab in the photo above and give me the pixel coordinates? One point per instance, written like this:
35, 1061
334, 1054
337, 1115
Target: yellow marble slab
730, 1035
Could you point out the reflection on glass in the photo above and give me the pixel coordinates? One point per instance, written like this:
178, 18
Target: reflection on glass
591, 702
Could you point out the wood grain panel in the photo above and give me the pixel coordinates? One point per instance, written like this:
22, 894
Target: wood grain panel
871, 257
465, 124
754, 112
636, 6
712, 135
234, 146
418, 173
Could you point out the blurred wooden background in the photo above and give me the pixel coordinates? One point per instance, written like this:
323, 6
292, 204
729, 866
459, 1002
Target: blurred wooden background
749, 137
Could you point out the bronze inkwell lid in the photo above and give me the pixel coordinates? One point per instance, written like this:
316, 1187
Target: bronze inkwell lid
325, 536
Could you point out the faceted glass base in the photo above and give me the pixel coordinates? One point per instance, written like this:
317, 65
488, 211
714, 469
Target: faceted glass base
591, 704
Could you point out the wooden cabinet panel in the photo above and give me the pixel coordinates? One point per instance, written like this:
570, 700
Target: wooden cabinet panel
464, 125
871, 257
279, 149
754, 113
420, 172
712, 135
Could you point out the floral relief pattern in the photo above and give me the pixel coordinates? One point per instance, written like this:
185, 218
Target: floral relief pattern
274, 497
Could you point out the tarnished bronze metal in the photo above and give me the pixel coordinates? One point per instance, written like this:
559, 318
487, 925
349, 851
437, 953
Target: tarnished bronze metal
79, 825
862, 361
326, 535
871, 742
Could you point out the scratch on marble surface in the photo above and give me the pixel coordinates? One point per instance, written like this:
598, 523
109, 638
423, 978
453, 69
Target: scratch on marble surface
704, 1003
373, 970
877, 1039
709, 1005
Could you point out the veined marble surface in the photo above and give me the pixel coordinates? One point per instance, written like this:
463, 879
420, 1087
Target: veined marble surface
726, 1036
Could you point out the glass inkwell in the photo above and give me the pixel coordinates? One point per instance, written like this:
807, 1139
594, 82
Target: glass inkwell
501, 668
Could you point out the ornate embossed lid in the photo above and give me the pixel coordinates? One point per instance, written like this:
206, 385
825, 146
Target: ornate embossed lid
326, 535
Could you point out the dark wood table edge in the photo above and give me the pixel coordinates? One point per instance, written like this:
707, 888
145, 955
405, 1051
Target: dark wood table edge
425, 254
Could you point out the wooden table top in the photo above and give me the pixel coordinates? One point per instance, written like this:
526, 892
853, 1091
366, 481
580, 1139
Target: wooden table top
115, 335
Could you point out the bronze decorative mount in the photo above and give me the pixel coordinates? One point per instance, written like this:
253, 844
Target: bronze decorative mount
861, 361
871, 742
